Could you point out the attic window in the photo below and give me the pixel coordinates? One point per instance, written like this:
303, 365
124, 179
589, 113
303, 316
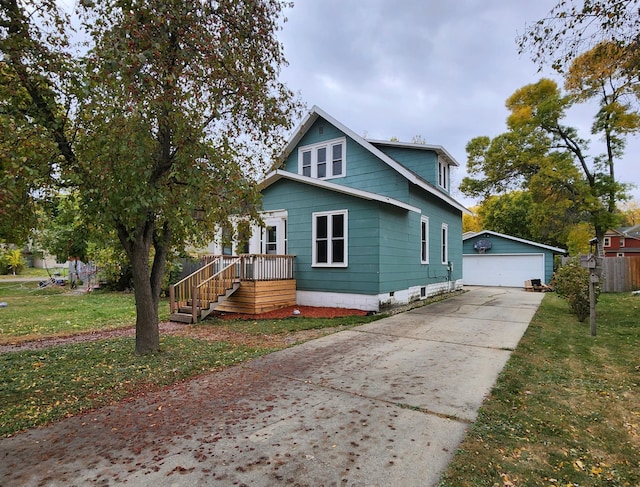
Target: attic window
324, 160
321, 129
443, 173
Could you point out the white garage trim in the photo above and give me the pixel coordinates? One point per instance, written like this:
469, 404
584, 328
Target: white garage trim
509, 270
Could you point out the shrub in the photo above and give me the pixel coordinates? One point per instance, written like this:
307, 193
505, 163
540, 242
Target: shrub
571, 281
12, 261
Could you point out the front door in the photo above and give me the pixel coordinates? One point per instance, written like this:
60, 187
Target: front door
273, 237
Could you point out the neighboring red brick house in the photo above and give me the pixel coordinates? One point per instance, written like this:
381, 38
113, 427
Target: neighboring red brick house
622, 242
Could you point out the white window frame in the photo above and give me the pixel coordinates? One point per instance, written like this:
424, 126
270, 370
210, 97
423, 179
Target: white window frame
443, 173
424, 239
330, 238
444, 250
607, 242
329, 161
622, 242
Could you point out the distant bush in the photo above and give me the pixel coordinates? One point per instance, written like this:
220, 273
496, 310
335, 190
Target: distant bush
11, 261
571, 281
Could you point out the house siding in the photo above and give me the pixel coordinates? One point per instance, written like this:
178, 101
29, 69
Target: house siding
423, 163
363, 171
362, 274
439, 213
384, 247
383, 242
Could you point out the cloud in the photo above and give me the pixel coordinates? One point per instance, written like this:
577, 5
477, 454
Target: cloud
442, 70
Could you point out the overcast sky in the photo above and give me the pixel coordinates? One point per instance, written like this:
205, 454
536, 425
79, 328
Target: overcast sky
400, 68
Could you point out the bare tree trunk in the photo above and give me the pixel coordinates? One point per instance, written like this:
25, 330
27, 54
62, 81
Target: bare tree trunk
147, 330
146, 281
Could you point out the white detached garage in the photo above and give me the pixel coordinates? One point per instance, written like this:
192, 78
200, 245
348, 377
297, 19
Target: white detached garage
494, 259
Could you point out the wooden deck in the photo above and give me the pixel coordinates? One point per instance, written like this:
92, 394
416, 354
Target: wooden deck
254, 297
248, 283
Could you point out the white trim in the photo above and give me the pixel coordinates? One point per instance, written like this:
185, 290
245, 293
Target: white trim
424, 243
444, 243
374, 302
438, 149
443, 173
313, 162
413, 178
330, 238
278, 174
469, 235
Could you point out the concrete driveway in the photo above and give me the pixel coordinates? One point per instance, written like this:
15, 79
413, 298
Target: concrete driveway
386, 403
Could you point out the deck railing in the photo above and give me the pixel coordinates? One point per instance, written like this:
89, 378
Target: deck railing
212, 280
266, 267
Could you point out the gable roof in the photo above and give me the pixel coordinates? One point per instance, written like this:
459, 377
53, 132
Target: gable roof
629, 232
468, 235
276, 175
438, 149
412, 177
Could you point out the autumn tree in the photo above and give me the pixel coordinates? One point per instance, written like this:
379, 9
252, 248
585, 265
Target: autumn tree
25, 153
573, 27
630, 213
472, 222
509, 213
170, 111
549, 158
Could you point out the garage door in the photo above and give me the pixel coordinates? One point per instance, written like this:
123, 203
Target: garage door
502, 269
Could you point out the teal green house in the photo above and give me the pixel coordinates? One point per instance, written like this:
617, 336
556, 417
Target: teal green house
371, 224
495, 259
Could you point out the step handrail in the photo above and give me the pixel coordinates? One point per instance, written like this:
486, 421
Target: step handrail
210, 290
181, 292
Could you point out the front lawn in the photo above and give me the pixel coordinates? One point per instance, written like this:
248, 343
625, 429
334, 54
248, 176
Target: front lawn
35, 313
40, 386
566, 408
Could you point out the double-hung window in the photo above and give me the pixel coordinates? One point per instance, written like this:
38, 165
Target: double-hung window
443, 174
324, 160
330, 247
445, 243
424, 239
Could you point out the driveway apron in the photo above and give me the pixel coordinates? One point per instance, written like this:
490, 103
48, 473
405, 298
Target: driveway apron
382, 404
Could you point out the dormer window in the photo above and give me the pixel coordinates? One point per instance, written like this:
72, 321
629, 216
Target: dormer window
324, 160
443, 174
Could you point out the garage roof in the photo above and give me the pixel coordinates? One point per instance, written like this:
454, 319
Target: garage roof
468, 235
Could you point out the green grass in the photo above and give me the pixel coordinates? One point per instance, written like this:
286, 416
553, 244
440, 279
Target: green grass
35, 272
37, 387
34, 313
566, 408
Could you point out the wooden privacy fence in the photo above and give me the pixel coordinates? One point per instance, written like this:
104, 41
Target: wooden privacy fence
620, 274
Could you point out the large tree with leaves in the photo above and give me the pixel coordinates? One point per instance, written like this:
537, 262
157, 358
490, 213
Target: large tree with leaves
543, 155
166, 113
576, 26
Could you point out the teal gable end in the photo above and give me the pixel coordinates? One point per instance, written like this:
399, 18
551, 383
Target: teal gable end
375, 234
